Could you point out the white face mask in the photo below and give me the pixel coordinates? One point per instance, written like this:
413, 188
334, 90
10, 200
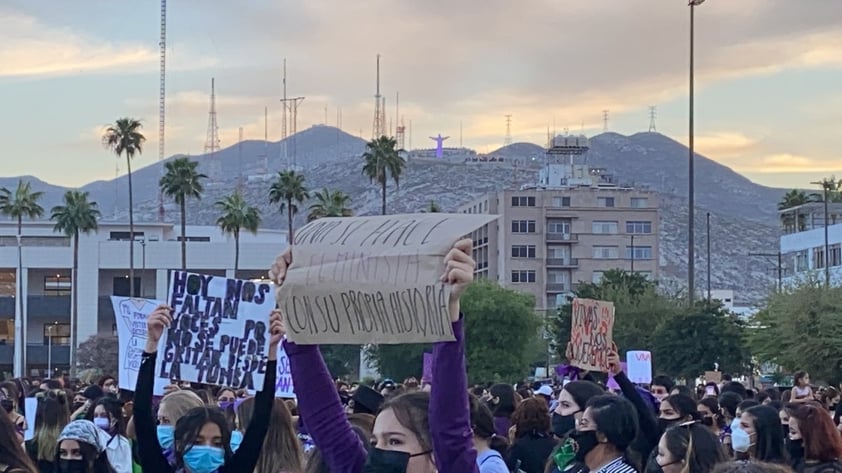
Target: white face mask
740, 440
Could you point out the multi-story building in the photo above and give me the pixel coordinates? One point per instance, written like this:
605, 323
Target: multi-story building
802, 245
571, 227
47, 259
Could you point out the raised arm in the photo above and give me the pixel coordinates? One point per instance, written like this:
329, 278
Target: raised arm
645, 415
246, 457
153, 458
449, 414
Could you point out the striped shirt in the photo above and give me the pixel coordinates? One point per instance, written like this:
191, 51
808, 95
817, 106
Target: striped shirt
618, 465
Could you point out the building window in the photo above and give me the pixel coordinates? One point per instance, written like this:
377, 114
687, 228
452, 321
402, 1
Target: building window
523, 251
605, 201
604, 227
523, 276
639, 252
818, 257
60, 334
596, 277
605, 252
121, 286
7, 283
801, 261
124, 236
835, 257
198, 239
57, 285
523, 226
558, 277
639, 202
639, 227
523, 201
558, 227
560, 201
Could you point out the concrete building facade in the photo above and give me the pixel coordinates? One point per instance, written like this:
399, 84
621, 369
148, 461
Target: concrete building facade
802, 245
550, 238
47, 259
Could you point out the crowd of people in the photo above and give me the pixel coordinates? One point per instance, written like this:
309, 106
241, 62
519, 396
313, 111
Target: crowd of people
439, 425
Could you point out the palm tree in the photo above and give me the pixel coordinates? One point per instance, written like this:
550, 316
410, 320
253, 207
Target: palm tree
181, 182
830, 187
17, 205
330, 204
77, 215
237, 215
382, 161
791, 199
124, 137
291, 192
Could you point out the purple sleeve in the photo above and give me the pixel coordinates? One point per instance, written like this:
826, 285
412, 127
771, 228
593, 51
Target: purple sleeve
322, 412
450, 414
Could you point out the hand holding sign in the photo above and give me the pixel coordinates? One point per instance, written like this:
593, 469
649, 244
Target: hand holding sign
276, 333
278, 271
155, 324
459, 272
614, 366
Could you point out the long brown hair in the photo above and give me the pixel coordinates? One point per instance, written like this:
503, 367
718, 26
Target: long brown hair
51, 416
11, 452
822, 442
281, 449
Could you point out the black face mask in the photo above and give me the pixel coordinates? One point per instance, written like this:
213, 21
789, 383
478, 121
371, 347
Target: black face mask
563, 424
7, 405
388, 461
77, 405
71, 466
796, 449
665, 424
585, 442
785, 428
708, 421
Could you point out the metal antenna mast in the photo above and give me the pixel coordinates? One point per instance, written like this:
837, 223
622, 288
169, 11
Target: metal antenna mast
508, 139
212, 139
378, 128
605, 120
400, 130
652, 115
162, 101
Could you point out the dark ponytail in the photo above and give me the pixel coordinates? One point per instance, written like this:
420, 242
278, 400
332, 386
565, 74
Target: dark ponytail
482, 423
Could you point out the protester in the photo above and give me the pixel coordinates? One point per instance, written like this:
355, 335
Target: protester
530, 436
172, 408
202, 435
545, 392
107, 415
661, 387
571, 405
9, 402
711, 416
689, 448
683, 390
677, 409
759, 437
490, 447
416, 432
13, 458
225, 397
801, 390
503, 404
365, 401
603, 435
751, 467
109, 385
815, 444
281, 451
51, 416
80, 449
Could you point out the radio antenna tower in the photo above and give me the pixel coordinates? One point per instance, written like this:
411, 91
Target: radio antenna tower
652, 115
212, 139
508, 139
378, 128
240, 161
400, 130
162, 102
605, 120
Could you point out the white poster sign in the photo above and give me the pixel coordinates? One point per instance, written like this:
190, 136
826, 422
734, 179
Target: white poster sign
131, 315
639, 365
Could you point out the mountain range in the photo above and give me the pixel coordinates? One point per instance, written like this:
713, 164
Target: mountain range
743, 214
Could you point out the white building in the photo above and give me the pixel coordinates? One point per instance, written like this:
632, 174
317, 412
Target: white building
47, 259
802, 245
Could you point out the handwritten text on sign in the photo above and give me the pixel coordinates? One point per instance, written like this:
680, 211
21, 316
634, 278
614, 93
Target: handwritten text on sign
220, 331
372, 279
591, 333
130, 317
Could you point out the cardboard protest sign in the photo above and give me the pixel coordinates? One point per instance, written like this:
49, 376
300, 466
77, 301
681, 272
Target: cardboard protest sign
31, 407
219, 333
591, 334
283, 384
372, 279
639, 363
130, 317
713, 377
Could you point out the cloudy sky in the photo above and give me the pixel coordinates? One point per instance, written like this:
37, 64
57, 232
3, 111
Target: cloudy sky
768, 74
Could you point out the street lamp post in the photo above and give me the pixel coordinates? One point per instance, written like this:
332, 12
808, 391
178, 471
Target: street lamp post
49, 351
707, 241
691, 240
825, 184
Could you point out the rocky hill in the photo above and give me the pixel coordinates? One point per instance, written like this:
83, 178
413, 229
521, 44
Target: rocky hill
743, 214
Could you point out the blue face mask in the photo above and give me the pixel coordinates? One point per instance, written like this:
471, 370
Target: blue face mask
236, 440
166, 436
740, 440
204, 458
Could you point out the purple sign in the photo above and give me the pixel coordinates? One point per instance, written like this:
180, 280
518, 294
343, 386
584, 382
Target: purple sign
427, 376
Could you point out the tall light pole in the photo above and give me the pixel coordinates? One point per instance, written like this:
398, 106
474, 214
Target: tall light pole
826, 184
691, 240
707, 240
50, 351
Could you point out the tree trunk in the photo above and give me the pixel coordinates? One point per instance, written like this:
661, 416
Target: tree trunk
383, 193
74, 308
20, 324
236, 252
131, 227
183, 235
290, 235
